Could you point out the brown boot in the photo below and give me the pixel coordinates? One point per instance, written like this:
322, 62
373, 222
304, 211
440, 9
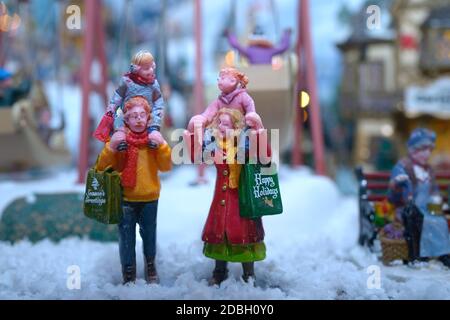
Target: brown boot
220, 273
249, 271
129, 274
151, 275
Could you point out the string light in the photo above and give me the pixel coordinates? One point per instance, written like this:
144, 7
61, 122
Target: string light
230, 58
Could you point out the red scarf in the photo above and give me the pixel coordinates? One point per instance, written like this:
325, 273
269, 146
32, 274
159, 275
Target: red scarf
135, 141
140, 80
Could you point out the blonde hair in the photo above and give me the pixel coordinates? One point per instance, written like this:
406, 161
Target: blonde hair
238, 75
143, 56
237, 118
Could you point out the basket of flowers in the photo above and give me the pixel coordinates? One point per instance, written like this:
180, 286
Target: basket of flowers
393, 244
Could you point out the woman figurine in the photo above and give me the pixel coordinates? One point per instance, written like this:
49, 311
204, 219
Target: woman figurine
413, 179
227, 236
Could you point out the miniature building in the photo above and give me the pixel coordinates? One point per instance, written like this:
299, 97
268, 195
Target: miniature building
369, 94
398, 82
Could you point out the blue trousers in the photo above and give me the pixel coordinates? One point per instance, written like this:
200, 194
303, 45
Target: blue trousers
143, 213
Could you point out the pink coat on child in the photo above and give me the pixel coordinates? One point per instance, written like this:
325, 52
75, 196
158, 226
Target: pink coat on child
238, 99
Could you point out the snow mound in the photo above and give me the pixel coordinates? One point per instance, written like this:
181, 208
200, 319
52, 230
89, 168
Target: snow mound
311, 252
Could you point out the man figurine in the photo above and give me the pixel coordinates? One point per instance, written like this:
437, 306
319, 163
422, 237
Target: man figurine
139, 166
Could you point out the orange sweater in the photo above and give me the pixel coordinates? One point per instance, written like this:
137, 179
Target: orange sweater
147, 180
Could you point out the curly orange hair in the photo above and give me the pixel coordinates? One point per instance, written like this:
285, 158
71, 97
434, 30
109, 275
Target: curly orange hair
240, 76
137, 101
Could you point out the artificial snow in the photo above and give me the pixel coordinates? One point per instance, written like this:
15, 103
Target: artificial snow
311, 251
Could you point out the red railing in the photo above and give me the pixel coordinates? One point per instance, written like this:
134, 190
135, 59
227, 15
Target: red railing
379, 181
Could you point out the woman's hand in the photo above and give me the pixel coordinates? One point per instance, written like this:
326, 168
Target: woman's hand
187, 136
196, 122
194, 151
253, 120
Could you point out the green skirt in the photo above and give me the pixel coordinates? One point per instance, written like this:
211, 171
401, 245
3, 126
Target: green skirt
235, 253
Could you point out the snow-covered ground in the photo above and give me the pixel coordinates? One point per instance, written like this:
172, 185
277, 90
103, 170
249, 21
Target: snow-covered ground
311, 251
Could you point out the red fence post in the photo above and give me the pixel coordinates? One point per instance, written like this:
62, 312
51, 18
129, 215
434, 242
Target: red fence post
311, 84
198, 86
94, 49
297, 155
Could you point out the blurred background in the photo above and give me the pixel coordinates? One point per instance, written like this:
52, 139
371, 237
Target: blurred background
355, 78
44, 55
374, 82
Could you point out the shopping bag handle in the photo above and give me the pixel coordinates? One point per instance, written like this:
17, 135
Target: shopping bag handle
108, 169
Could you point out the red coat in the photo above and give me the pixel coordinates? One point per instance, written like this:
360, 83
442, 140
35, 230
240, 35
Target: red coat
224, 219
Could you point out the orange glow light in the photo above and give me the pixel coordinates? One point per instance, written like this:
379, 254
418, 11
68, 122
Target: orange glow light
229, 58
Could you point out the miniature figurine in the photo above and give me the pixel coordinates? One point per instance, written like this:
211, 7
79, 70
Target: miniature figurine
259, 49
413, 179
139, 81
140, 191
228, 237
232, 85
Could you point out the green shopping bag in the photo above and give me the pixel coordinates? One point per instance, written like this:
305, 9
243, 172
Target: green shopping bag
259, 191
103, 196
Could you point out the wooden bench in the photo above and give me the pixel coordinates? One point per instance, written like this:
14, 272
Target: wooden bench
373, 188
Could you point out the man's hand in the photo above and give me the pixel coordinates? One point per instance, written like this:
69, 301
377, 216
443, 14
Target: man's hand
118, 138
156, 139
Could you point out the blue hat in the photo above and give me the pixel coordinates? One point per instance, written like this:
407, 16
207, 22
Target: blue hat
4, 74
421, 137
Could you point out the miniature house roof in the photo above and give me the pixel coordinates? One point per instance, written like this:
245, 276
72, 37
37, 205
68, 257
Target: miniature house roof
354, 42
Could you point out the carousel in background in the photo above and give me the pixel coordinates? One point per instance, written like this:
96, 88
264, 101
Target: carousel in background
27, 135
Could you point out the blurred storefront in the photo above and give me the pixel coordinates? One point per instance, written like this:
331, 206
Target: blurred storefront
398, 80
